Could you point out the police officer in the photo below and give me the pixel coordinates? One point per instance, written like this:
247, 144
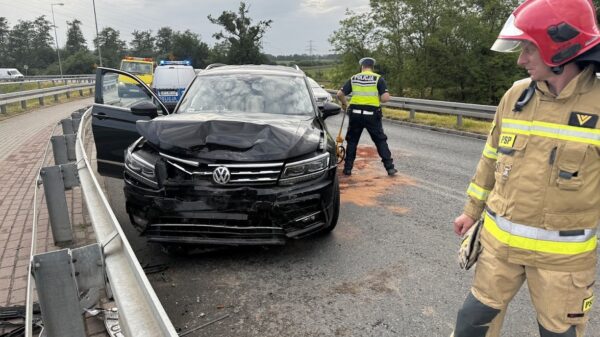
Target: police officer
537, 183
368, 91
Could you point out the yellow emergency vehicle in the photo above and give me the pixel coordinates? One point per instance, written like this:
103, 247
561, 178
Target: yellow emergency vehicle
142, 67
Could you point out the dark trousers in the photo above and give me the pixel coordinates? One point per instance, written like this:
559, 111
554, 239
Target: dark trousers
373, 124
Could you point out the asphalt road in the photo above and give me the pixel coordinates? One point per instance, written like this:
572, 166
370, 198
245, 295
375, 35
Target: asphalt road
388, 269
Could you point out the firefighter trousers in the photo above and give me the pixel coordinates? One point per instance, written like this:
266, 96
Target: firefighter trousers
372, 123
562, 300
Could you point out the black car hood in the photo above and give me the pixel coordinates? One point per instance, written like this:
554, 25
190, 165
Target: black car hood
233, 136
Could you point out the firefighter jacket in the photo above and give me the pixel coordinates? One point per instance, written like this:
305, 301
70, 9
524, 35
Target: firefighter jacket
364, 89
539, 177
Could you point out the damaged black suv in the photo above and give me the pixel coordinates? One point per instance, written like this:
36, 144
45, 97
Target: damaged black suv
245, 159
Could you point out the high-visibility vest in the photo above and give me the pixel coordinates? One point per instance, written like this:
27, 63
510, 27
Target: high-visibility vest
364, 89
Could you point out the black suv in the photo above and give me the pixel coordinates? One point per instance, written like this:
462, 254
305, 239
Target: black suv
245, 159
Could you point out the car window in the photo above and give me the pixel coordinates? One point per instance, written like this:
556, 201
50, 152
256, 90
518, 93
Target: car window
137, 67
256, 93
123, 91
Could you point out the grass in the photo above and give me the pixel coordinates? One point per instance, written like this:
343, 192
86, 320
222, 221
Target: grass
15, 109
438, 120
15, 87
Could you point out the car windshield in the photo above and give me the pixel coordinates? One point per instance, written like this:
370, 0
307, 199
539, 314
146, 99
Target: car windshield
136, 67
254, 93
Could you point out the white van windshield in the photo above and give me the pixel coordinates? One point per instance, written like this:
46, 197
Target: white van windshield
172, 77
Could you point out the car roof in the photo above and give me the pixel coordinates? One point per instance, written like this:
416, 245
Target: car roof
253, 69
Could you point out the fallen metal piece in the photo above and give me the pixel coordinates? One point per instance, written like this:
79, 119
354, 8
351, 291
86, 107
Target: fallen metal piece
153, 269
185, 333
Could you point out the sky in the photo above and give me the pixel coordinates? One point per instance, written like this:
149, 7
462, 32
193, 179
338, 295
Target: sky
297, 24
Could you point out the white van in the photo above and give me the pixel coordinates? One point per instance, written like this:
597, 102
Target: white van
171, 78
7, 73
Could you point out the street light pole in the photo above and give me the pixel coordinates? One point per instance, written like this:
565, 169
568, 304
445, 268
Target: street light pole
97, 38
56, 36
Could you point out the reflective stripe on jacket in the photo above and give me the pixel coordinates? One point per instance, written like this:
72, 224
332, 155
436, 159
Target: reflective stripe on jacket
364, 89
540, 168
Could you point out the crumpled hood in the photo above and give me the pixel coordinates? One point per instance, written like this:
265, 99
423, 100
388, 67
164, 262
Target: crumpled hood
233, 136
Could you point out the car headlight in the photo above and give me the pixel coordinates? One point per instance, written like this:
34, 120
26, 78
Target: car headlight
304, 170
142, 168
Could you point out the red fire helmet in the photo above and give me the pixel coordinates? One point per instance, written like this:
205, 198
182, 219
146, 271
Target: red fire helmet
561, 29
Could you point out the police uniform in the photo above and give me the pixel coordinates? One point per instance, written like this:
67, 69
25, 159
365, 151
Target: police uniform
539, 181
365, 113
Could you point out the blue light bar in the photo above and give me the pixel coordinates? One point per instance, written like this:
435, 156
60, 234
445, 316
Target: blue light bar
170, 63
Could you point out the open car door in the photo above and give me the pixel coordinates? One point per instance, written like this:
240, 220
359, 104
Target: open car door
121, 99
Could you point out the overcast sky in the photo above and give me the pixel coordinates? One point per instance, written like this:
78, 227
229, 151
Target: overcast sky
295, 22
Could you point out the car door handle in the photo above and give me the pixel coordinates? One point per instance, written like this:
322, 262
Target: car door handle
100, 115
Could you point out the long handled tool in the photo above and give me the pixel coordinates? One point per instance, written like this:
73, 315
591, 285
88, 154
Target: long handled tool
340, 150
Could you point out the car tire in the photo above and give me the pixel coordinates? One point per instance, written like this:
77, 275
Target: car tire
335, 214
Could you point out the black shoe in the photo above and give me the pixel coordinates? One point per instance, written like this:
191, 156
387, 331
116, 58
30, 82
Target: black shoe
392, 171
347, 172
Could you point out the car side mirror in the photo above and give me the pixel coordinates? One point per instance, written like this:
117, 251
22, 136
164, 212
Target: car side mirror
144, 108
329, 109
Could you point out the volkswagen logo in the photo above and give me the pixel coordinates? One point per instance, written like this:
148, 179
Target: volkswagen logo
221, 175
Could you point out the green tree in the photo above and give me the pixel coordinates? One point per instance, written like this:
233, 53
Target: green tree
4, 32
75, 40
390, 23
187, 46
113, 48
81, 62
243, 37
218, 53
142, 44
353, 41
42, 53
20, 44
164, 42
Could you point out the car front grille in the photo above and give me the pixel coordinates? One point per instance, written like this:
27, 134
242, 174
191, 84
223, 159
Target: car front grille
232, 173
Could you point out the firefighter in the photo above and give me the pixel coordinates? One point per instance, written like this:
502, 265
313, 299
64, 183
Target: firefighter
368, 90
537, 183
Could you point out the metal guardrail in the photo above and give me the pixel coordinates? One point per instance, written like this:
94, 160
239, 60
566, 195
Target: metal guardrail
46, 77
414, 105
40, 94
53, 80
140, 311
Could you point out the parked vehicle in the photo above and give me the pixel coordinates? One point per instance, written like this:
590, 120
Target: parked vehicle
10, 73
142, 67
245, 159
321, 95
171, 78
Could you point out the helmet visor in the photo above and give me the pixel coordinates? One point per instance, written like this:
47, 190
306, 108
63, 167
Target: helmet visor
506, 46
509, 37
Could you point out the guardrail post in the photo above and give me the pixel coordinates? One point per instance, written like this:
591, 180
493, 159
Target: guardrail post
70, 139
67, 126
81, 92
59, 149
54, 190
54, 276
55, 98
3, 109
412, 114
24, 104
459, 120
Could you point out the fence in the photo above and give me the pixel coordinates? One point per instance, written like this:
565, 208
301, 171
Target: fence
23, 96
414, 105
66, 278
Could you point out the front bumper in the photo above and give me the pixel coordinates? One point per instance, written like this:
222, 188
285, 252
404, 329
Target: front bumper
215, 215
